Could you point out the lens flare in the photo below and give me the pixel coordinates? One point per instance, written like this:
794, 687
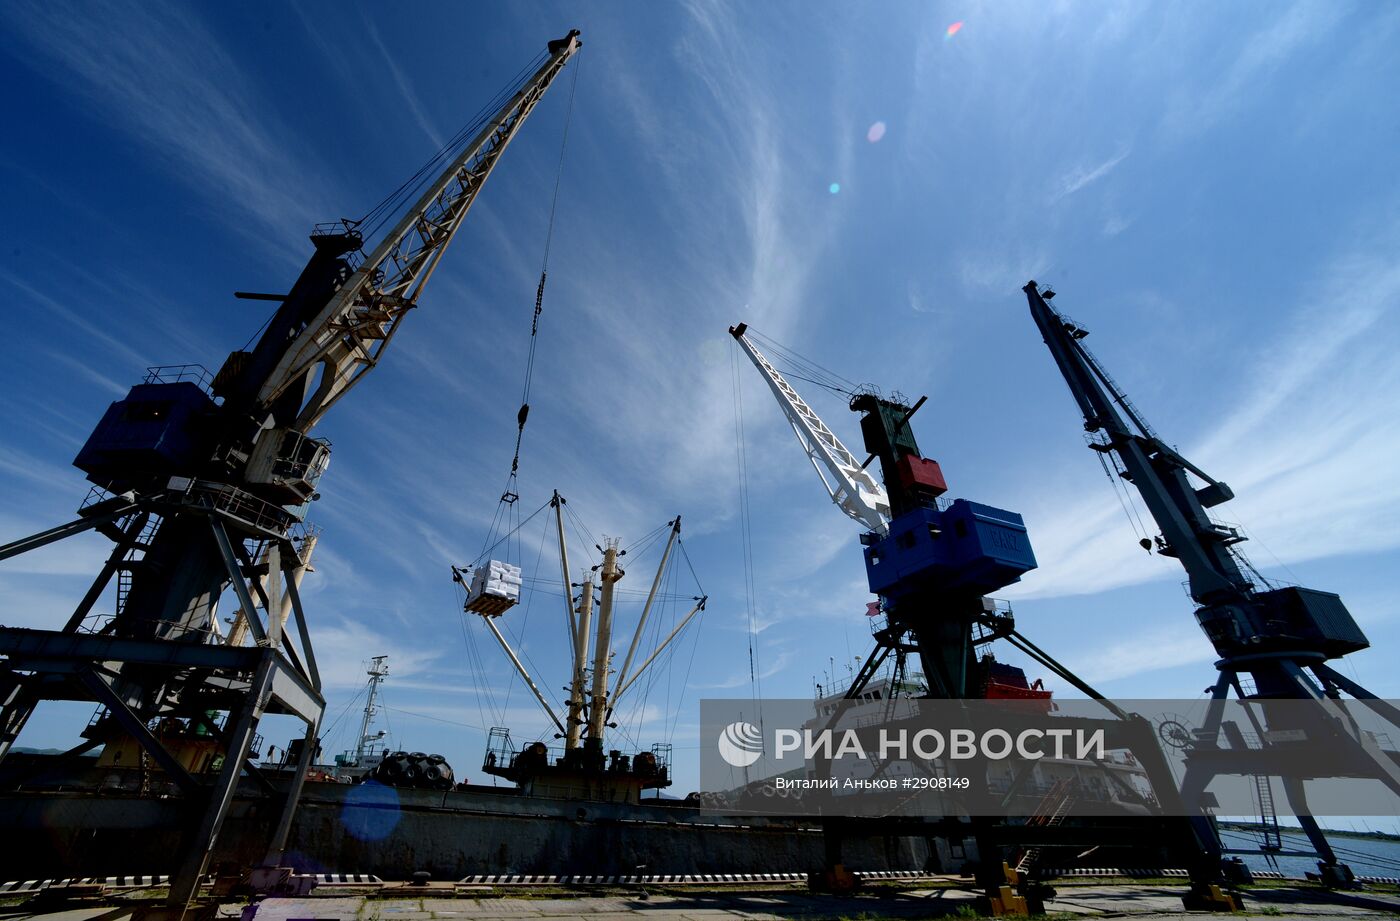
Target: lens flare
876, 132
371, 811
953, 29
834, 188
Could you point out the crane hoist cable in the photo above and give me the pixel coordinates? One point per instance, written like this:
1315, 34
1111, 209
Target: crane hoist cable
509, 495
507, 516
746, 533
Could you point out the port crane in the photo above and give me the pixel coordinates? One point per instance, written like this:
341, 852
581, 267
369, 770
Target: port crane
931, 561
1274, 641
203, 483
934, 562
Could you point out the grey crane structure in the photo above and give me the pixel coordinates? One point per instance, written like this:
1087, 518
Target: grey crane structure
1274, 642
203, 486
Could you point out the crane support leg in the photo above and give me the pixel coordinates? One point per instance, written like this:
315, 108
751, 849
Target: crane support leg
1385, 709
1335, 874
184, 884
17, 702
278, 844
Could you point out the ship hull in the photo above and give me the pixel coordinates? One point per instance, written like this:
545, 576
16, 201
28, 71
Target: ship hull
395, 833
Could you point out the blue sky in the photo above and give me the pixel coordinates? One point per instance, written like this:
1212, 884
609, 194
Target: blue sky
1212, 189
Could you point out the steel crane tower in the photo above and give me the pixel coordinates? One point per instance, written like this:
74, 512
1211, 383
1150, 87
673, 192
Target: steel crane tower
202, 484
1274, 642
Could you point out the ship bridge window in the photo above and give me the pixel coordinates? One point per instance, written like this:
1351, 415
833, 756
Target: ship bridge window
960, 527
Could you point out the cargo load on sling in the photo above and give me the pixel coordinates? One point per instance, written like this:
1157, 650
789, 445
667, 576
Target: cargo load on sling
495, 589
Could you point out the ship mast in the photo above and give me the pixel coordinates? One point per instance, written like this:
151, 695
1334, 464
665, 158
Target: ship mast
602, 649
378, 671
593, 693
580, 642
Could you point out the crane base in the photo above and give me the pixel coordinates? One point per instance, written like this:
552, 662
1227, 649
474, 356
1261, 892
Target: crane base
1211, 898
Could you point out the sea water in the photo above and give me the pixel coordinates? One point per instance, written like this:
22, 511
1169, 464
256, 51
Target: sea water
1365, 856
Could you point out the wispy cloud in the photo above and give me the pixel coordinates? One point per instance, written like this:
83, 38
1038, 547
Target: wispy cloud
1082, 176
344, 647
733, 162
1145, 651
997, 269
410, 98
773, 667
169, 83
1115, 224
1211, 96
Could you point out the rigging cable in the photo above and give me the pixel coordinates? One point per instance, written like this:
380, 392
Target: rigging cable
806, 369
1118, 491
390, 205
525, 618
328, 733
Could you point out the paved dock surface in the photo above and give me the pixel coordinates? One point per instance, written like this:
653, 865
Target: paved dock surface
1130, 901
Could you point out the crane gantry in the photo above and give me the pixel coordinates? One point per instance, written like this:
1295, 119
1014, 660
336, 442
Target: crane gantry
203, 483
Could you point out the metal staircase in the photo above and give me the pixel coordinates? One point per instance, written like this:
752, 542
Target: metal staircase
1053, 808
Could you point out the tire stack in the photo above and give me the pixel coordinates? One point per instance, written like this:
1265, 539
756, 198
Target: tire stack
413, 769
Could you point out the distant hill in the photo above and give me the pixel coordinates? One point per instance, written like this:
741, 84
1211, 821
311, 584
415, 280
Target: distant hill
21, 750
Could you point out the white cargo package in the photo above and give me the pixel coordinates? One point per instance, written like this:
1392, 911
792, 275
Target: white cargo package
495, 588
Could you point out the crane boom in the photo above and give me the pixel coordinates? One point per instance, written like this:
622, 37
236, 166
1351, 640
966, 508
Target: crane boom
350, 332
1157, 470
848, 483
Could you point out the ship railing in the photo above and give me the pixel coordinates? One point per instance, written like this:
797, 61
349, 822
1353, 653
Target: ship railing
996, 623
356, 257
171, 374
237, 504
1103, 793
94, 495
500, 750
1381, 740
101, 623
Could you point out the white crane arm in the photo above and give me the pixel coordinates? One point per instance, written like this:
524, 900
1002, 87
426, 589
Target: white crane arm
850, 486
